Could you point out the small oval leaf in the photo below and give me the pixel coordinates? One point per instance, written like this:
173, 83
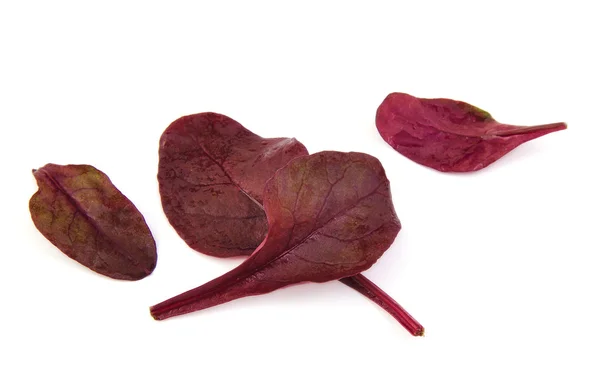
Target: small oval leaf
448, 135
81, 212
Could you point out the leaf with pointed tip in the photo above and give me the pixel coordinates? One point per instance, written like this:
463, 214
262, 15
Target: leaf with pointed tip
211, 174
81, 212
330, 216
448, 135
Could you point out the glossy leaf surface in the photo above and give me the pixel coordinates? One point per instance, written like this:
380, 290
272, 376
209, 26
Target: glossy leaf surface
450, 135
81, 212
330, 216
212, 172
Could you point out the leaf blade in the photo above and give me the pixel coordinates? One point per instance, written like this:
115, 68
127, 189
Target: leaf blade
82, 213
295, 249
448, 135
211, 175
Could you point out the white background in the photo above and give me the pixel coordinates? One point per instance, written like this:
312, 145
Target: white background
500, 266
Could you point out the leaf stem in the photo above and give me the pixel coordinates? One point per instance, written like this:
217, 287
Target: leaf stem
228, 287
366, 287
518, 130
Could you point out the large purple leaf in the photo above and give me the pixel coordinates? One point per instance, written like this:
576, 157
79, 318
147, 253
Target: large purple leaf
450, 135
330, 216
212, 172
82, 213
